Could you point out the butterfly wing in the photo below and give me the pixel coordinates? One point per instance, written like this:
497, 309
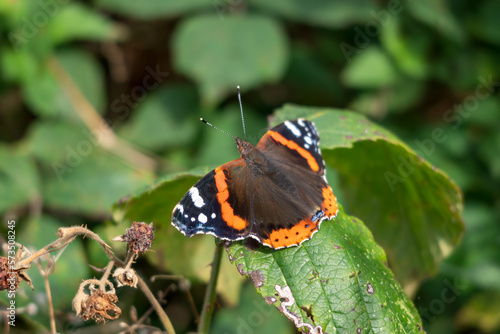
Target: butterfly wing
295, 143
204, 209
296, 197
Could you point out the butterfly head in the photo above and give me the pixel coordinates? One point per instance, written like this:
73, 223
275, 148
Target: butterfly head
243, 146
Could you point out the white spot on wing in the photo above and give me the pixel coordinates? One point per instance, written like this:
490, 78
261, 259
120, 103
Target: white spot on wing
213, 215
192, 219
293, 128
301, 122
180, 208
306, 146
308, 140
196, 198
202, 218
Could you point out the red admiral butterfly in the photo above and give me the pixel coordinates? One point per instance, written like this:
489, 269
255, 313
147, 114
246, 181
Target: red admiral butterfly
276, 192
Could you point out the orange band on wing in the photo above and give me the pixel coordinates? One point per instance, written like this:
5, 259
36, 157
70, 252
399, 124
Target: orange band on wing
228, 215
293, 146
293, 236
329, 205
306, 228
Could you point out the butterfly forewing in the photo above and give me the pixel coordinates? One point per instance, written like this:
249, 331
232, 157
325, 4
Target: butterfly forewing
200, 212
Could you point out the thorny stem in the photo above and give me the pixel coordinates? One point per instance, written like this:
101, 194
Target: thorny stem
45, 273
51, 305
129, 263
104, 278
158, 308
52, 247
131, 256
66, 235
210, 294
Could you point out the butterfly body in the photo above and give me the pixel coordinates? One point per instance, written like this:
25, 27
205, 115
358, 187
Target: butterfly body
276, 192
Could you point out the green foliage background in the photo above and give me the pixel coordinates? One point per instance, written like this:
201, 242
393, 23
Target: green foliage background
426, 70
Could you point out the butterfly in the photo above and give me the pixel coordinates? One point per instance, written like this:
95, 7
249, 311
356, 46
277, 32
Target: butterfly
276, 192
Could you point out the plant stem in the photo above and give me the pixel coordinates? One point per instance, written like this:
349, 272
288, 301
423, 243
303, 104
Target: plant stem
104, 278
66, 235
156, 305
210, 294
49, 299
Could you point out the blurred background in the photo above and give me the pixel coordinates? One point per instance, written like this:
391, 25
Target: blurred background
100, 98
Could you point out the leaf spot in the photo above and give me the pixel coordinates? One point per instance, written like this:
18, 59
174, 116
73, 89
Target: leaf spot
369, 288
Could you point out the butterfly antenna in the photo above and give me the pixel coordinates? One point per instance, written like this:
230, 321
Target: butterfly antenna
216, 128
241, 109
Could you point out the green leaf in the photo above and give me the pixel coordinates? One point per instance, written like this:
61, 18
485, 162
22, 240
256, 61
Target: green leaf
221, 54
164, 120
79, 175
455, 144
413, 209
330, 14
370, 69
19, 179
437, 15
18, 66
91, 25
408, 47
339, 280
44, 93
398, 98
151, 9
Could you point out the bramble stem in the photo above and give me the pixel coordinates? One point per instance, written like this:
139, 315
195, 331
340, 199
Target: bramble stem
104, 278
66, 235
210, 294
45, 273
156, 305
